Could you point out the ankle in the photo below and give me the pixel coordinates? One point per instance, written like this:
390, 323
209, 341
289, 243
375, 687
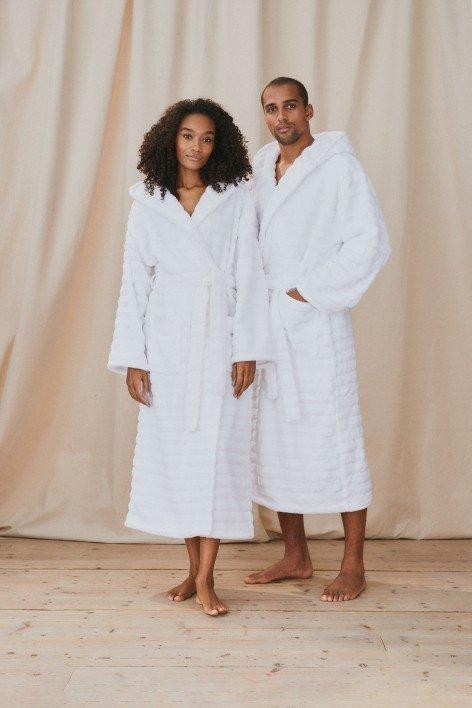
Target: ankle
297, 556
353, 564
204, 578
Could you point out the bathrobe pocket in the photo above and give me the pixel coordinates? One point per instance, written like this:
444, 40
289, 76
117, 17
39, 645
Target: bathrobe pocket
164, 343
301, 323
290, 301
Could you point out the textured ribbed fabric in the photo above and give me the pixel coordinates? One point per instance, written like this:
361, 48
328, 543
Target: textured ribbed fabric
321, 232
193, 299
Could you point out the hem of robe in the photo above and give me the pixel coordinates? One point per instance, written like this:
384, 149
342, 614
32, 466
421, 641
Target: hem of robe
354, 505
132, 523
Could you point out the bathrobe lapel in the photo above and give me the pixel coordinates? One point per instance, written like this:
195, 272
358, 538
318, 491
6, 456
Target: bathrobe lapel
271, 195
189, 227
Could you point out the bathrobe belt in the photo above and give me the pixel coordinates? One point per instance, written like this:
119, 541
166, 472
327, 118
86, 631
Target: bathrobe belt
281, 378
209, 304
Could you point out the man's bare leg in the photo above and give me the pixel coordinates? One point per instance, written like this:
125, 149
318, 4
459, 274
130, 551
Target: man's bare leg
351, 579
188, 588
296, 562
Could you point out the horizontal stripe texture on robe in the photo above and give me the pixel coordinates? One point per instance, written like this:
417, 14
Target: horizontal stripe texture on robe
193, 300
322, 232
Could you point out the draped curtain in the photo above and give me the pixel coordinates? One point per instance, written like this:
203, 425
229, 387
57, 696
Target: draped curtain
82, 80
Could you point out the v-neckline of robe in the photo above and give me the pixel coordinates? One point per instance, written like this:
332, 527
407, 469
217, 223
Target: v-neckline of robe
195, 208
275, 182
171, 208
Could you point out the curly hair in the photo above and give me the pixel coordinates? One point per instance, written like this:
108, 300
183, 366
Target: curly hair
227, 164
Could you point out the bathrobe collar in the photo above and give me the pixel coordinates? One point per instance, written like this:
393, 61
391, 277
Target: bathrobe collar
170, 207
188, 226
272, 195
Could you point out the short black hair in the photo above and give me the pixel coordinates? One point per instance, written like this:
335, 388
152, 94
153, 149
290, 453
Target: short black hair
282, 80
228, 163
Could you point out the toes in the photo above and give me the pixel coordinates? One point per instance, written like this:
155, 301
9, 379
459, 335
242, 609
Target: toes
210, 610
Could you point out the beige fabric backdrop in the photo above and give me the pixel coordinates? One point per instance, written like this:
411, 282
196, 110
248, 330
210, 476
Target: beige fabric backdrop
82, 81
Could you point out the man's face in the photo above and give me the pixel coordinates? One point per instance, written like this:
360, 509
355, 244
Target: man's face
285, 115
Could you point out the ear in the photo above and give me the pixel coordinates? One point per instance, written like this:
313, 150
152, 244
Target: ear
309, 112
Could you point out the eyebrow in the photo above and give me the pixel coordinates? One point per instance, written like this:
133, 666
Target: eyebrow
191, 130
287, 100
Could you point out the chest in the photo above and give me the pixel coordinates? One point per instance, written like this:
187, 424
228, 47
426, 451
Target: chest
314, 201
184, 243
189, 198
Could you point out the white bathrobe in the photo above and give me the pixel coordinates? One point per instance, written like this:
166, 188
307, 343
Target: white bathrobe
193, 300
321, 232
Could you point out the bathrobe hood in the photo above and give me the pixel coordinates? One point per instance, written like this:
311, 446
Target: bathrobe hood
325, 146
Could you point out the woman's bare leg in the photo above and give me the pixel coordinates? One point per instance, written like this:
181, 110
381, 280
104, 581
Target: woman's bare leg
206, 596
187, 588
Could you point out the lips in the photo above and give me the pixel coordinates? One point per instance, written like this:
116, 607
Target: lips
193, 158
283, 128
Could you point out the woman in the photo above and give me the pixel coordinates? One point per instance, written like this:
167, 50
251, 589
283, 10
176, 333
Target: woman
191, 323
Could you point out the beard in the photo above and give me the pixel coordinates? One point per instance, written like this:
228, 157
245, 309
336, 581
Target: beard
288, 139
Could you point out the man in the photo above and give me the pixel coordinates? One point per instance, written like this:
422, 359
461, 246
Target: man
323, 241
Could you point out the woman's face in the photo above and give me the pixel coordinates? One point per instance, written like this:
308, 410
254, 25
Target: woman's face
195, 141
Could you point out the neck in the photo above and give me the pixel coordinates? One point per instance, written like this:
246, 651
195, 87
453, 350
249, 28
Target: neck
289, 153
188, 178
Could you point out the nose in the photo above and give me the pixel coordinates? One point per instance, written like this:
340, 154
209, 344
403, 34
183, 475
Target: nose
282, 119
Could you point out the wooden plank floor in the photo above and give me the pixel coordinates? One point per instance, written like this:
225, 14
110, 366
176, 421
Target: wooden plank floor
89, 623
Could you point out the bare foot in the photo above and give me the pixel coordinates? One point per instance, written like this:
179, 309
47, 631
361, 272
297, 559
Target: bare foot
209, 600
283, 570
183, 591
347, 586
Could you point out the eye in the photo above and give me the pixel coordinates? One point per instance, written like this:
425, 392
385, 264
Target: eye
187, 136
271, 109
292, 105
208, 140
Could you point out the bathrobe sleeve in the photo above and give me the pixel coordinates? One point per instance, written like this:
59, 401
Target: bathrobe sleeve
251, 329
128, 345
341, 280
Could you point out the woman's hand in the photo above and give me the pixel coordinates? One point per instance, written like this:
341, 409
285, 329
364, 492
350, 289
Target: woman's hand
139, 385
242, 376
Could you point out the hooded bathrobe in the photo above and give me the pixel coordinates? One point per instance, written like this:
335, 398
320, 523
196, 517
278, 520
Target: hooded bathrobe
321, 232
193, 300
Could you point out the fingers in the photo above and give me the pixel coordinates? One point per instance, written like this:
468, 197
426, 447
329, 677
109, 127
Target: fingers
141, 391
245, 373
147, 386
139, 386
239, 380
233, 374
248, 378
